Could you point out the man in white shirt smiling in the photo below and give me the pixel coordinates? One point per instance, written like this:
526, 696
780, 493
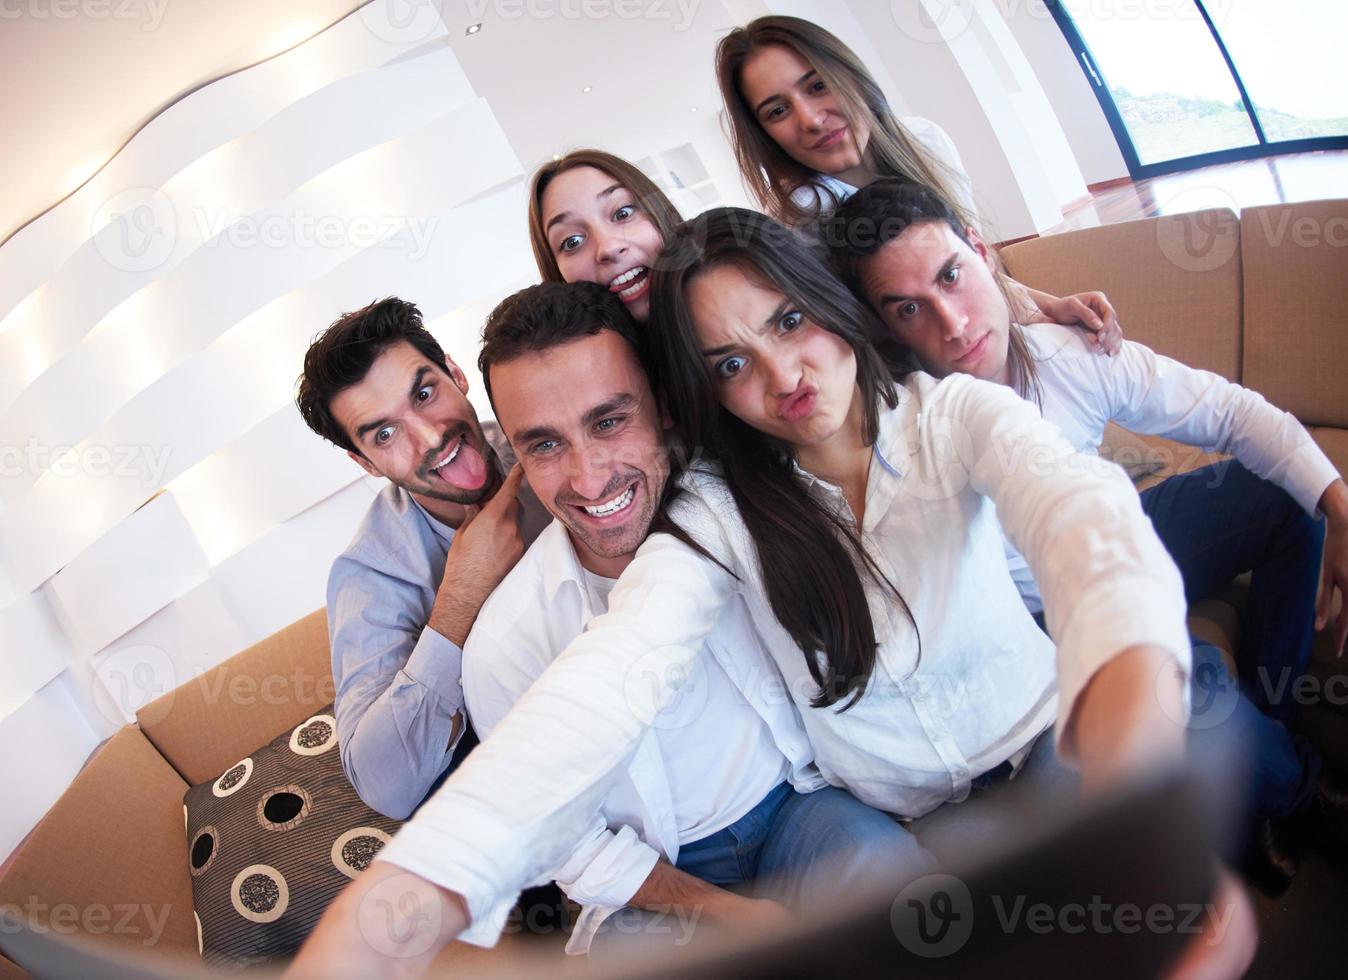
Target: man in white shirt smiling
934, 284
722, 790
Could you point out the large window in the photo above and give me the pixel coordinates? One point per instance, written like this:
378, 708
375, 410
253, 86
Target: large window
1186, 83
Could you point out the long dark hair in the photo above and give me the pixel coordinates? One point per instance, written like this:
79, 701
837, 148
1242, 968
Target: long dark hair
810, 556
768, 170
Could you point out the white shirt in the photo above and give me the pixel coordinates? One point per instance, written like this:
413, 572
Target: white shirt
948, 449
712, 755
1152, 394
930, 137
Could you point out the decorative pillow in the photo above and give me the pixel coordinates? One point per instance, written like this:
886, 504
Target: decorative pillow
272, 841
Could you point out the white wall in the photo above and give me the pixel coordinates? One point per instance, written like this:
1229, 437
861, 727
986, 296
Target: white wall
162, 505
1068, 91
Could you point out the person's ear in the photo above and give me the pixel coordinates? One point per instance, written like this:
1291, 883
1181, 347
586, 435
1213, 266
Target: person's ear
981, 247
364, 463
460, 379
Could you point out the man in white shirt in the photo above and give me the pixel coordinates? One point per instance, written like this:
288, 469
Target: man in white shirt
722, 791
935, 286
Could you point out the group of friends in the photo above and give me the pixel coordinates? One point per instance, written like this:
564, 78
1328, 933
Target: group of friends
806, 576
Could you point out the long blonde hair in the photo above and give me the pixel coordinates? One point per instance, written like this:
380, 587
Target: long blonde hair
769, 172
650, 199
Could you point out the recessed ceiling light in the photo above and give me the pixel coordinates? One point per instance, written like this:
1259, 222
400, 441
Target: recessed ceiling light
693, 109
473, 28
588, 88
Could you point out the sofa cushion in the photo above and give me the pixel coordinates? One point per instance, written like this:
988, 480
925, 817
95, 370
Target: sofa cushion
272, 839
1296, 291
205, 725
107, 861
1175, 281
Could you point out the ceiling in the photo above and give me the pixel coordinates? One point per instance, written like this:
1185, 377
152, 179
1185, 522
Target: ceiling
77, 89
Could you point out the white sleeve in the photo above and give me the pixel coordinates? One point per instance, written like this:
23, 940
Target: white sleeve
1107, 581
604, 868
515, 808
1156, 395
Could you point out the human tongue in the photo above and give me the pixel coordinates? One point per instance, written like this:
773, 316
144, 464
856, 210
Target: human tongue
468, 471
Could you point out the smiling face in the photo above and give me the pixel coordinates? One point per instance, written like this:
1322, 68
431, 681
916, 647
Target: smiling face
773, 368
585, 426
796, 109
599, 233
938, 295
412, 424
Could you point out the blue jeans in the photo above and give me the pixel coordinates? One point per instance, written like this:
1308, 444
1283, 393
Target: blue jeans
807, 851
1222, 521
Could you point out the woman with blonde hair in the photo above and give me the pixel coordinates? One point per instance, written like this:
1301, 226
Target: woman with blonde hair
809, 124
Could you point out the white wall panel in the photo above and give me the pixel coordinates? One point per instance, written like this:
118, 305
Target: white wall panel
34, 650
144, 563
284, 575
206, 119
145, 294
42, 747
268, 475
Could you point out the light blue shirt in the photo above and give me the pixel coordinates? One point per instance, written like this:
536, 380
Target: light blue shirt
399, 684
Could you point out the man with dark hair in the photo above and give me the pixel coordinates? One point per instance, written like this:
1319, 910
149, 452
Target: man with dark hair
936, 287
721, 793
435, 542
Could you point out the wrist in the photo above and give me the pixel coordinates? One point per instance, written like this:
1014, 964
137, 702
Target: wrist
1334, 502
453, 616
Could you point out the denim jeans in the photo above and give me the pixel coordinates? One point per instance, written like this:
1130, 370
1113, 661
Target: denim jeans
808, 851
1222, 521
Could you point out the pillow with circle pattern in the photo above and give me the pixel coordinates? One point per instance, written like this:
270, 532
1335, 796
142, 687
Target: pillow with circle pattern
272, 841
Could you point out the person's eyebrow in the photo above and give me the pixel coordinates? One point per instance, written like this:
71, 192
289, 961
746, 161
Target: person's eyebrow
537, 432
773, 317
799, 82
617, 403
563, 215
417, 380
887, 298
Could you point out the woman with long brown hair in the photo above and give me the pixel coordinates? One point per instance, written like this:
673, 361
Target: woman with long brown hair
595, 217
809, 124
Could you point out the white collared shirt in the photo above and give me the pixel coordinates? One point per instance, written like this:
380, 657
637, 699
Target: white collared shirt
712, 755
1153, 394
950, 451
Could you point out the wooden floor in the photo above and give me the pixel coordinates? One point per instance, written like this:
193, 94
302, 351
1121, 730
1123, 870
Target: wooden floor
1250, 183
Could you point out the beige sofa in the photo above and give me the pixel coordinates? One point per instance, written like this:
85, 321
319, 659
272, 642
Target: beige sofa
1211, 289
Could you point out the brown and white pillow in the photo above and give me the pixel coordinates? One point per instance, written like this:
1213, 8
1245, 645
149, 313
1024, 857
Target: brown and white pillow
272, 841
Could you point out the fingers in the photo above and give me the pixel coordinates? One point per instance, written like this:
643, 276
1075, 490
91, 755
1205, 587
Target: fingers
1325, 603
509, 492
1341, 631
